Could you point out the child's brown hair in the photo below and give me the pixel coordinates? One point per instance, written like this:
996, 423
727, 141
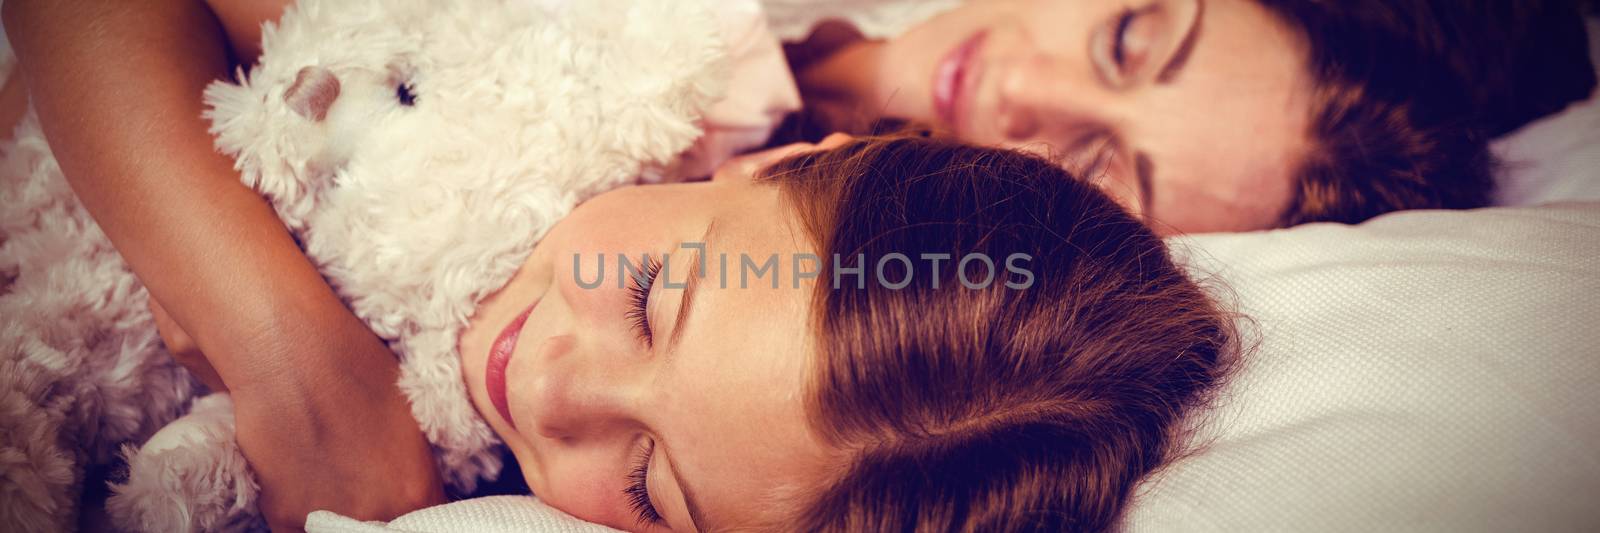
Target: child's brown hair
1000, 408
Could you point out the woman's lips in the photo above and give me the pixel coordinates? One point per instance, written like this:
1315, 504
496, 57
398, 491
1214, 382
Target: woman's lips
952, 80
499, 358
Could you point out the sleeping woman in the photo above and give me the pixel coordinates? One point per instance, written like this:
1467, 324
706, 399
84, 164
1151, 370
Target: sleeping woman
1209, 115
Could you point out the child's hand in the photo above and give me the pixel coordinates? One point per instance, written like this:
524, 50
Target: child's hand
348, 435
324, 426
305, 471
183, 348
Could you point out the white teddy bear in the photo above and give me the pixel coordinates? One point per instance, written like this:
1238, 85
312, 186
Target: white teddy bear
418, 149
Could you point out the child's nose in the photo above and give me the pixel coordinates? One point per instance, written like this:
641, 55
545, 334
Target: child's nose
312, 93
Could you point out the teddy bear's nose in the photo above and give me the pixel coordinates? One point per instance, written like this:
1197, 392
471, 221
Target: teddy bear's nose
313, 92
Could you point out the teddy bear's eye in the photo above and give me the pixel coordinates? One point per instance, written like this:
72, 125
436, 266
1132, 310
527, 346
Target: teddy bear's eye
403, 92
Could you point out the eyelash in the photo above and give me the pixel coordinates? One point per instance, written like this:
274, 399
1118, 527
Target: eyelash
639, 299
1118, 52
638, 491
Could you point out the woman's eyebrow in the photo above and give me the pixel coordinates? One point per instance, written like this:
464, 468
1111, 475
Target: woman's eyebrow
686, 304
1180, 56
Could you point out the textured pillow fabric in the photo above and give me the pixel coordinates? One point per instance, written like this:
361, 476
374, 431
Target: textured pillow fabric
493, 514
1425, 371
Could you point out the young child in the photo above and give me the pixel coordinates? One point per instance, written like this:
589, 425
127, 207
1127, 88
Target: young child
879, 334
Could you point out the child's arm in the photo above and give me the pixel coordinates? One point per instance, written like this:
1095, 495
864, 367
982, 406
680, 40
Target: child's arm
117, 87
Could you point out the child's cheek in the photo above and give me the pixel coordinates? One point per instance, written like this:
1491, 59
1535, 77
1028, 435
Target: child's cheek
592, 279
586, 484
592, 293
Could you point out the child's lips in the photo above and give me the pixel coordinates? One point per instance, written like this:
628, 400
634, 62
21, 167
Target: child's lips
499, 359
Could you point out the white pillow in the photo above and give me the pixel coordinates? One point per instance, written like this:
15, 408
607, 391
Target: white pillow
1557, 157
492, 514
1425, 371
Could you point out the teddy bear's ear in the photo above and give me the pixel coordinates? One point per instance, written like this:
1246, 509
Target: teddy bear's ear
239, 113
312, 93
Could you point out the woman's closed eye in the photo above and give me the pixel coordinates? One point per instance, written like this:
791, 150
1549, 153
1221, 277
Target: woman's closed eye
1098, 155
639, 287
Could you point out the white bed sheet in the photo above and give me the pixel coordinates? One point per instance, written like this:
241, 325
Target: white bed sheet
1426, 371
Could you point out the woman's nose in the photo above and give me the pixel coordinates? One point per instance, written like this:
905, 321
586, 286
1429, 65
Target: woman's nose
573, 393
1040, 94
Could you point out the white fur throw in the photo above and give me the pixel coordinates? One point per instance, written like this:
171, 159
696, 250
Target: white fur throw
418, 149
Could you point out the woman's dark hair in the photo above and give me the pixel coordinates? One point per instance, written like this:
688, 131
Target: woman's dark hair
1004, 407
1409, 92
